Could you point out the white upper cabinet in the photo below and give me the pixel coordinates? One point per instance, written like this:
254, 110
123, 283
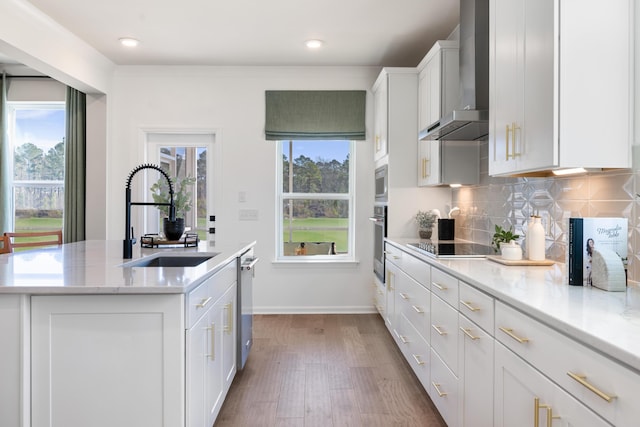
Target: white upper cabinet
380, 119
442, 162
438, 82
560, 90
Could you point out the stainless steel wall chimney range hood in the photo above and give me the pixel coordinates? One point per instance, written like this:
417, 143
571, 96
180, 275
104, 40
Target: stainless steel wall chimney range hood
470, 122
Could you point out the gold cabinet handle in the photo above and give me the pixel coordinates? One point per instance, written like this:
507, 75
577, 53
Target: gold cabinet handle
403, 296
377, 143
469, 305
437, 387
468, 333
204, 302
507, 142
418, 309
439, 286
438, 330
582, 379
389, 285
212, 330
509, 332
417, 359
536, 413
229, 326
514, 153
403, 339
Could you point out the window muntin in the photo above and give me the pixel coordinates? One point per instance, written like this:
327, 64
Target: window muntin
318, 212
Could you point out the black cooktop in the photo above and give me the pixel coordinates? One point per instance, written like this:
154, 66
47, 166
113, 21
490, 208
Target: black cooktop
453, 249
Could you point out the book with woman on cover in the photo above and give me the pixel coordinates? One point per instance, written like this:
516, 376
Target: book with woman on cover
586, 234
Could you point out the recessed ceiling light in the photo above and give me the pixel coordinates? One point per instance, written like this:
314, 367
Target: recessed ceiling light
314, 44
129, 42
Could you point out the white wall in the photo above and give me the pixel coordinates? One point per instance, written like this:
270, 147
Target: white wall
230, 100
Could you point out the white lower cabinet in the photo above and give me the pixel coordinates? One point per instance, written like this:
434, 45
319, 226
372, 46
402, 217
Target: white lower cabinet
524, 397
444, 390
475, 369
107, 360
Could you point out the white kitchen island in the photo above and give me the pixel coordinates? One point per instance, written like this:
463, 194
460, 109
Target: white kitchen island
88, 341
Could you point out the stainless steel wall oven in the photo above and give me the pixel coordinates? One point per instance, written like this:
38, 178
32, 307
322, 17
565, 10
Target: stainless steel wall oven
379, 220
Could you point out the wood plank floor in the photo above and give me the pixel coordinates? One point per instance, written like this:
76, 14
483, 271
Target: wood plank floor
326, 370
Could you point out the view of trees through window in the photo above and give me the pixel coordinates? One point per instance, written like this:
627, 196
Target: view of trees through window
38, 165
316, 197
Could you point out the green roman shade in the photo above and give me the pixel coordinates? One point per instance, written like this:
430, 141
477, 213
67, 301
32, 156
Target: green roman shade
315, 114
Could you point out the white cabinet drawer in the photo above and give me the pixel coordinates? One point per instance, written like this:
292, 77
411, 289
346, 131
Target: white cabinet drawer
414, 302
445, 286
415, 350
419, 270
444, 332
378, 290
202, 298
444, 390
394, 255
603, 385
477, 306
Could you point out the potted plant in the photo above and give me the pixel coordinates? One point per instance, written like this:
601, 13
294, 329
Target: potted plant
182, 200
425, 221
502, 236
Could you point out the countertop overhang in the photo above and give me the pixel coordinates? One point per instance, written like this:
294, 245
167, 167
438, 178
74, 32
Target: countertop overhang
96, 267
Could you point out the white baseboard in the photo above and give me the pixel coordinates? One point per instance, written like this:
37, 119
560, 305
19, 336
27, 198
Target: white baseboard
315, 310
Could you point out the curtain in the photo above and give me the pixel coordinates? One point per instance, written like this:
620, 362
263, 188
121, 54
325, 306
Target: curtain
6, 163
320, 114
75, 166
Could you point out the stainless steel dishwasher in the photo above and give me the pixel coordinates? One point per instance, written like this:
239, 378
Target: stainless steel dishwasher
246, 274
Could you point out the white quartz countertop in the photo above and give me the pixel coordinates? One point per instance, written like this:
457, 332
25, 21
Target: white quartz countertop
96, 267
608, 322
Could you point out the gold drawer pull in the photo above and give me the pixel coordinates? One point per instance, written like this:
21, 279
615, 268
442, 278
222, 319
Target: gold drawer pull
582, 379
438, 330
204, 302
228, 328
439, 286
403, 339
469, 305
418, 309
417, 359
403, 296
437, 387
212, 329
468, 333
536, 413
509, 332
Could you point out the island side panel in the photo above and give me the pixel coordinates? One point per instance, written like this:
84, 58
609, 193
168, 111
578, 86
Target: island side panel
108, 360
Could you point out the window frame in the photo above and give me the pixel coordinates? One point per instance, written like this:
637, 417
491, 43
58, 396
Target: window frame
12, 107
281, 196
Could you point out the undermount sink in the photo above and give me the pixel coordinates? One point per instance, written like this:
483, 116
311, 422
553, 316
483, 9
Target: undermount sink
170, 261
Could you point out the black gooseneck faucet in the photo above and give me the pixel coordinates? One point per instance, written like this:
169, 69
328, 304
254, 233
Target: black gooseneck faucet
129, 238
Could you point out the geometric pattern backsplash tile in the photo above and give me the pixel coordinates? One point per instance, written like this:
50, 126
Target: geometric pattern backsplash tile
511, 201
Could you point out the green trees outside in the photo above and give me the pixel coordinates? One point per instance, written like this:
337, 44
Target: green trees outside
32, 163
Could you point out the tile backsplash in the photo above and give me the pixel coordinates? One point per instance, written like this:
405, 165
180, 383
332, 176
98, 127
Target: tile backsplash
510, 202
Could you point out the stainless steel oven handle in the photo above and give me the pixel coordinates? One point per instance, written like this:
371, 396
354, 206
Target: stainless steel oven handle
375, 219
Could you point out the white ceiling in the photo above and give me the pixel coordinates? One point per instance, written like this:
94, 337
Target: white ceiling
258, 32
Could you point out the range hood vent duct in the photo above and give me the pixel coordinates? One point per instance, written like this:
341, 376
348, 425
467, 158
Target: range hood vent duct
470, 122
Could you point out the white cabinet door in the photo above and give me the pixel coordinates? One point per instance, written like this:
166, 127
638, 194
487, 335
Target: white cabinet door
229, 329
14, 360
390, 313
524, 397
198, 351
475, 374
107, 361
213, 370
380, 108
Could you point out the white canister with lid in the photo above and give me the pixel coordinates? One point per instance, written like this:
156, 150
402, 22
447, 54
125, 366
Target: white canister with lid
536, 240
511, 251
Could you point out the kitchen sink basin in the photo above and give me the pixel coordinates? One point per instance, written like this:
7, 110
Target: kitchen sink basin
171, 261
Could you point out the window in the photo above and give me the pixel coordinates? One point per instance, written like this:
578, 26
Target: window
315, 199
36, 133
